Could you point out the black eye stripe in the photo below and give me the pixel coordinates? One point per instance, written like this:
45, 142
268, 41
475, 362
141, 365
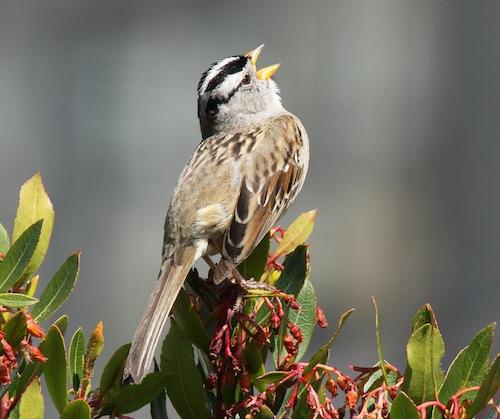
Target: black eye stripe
230, 68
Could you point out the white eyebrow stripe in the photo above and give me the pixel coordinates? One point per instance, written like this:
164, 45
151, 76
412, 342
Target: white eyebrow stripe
214, 71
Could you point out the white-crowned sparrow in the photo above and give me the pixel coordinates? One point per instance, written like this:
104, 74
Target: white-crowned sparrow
249, 167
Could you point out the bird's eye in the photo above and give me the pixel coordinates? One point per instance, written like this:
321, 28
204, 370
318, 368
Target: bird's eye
211, 107
246, 80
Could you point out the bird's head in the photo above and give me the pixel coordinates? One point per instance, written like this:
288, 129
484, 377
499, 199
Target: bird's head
233, 94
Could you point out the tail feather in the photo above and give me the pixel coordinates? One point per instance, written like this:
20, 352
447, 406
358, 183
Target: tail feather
160, 303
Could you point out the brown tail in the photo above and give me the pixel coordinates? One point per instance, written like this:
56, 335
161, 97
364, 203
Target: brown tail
160, 303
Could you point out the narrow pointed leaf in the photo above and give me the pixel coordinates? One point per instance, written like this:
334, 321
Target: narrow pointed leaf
380, 351
297, 234
322, 353
76, 359
18, 257
189, 321
76, 409
273, 377
158, 406
14, 300
58, 289
31, 405
54, 369
423, 374
113, 370
255, 364
404, 408
4, 239
34, 205
183, 383
469, 367
489, 387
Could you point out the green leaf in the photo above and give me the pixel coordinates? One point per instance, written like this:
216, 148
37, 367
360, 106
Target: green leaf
76, 409
55, 368
134, 396
297, 234
30, 371
15, 328
183, 383
31, 405
305, 317
158, 406
255, 364
34, 205
15, 300
488, 389
18, 257
4, 239
376, 379
76, 358
424, 315
273, 377
380, 351
112, 374
322, 352
404, 408
301, 409
62, 323
265, 413
423, 374
469, 367
255, 265
189, 321
58, 289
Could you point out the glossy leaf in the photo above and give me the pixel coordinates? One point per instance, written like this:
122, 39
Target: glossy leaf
76, 358
423, 374
58, 289
76, 409
297, 234
305, 317
32, 285
18, 257
424, 315
62, 323
404, 408
31, 405
469, 367
4, 239
273, 377
255, 265
489, 387
15, 328
34, 205
265, 413
322, 353
113, 370
189, 321
54, 369
183, 383
134, 396
12, 299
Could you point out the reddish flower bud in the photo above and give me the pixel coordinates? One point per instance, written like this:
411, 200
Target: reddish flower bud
37, 354
290, 345
211, 381
351, 398
320, 318
275, 321
292, 302
34, 329
332, 387
393, 392
344, 382
295, 331
245, 382
4, 370
311, 399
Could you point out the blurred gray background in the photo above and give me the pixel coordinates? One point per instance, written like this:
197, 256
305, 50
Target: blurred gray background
401, 101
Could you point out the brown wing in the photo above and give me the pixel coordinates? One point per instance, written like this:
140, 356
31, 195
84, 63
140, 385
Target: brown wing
271, 180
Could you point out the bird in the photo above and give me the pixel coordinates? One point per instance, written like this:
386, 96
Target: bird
248, 168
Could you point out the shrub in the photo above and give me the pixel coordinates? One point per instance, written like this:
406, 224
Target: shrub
227, 353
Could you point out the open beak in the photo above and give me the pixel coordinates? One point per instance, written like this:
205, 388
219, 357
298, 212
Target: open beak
254, 54
266, 72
